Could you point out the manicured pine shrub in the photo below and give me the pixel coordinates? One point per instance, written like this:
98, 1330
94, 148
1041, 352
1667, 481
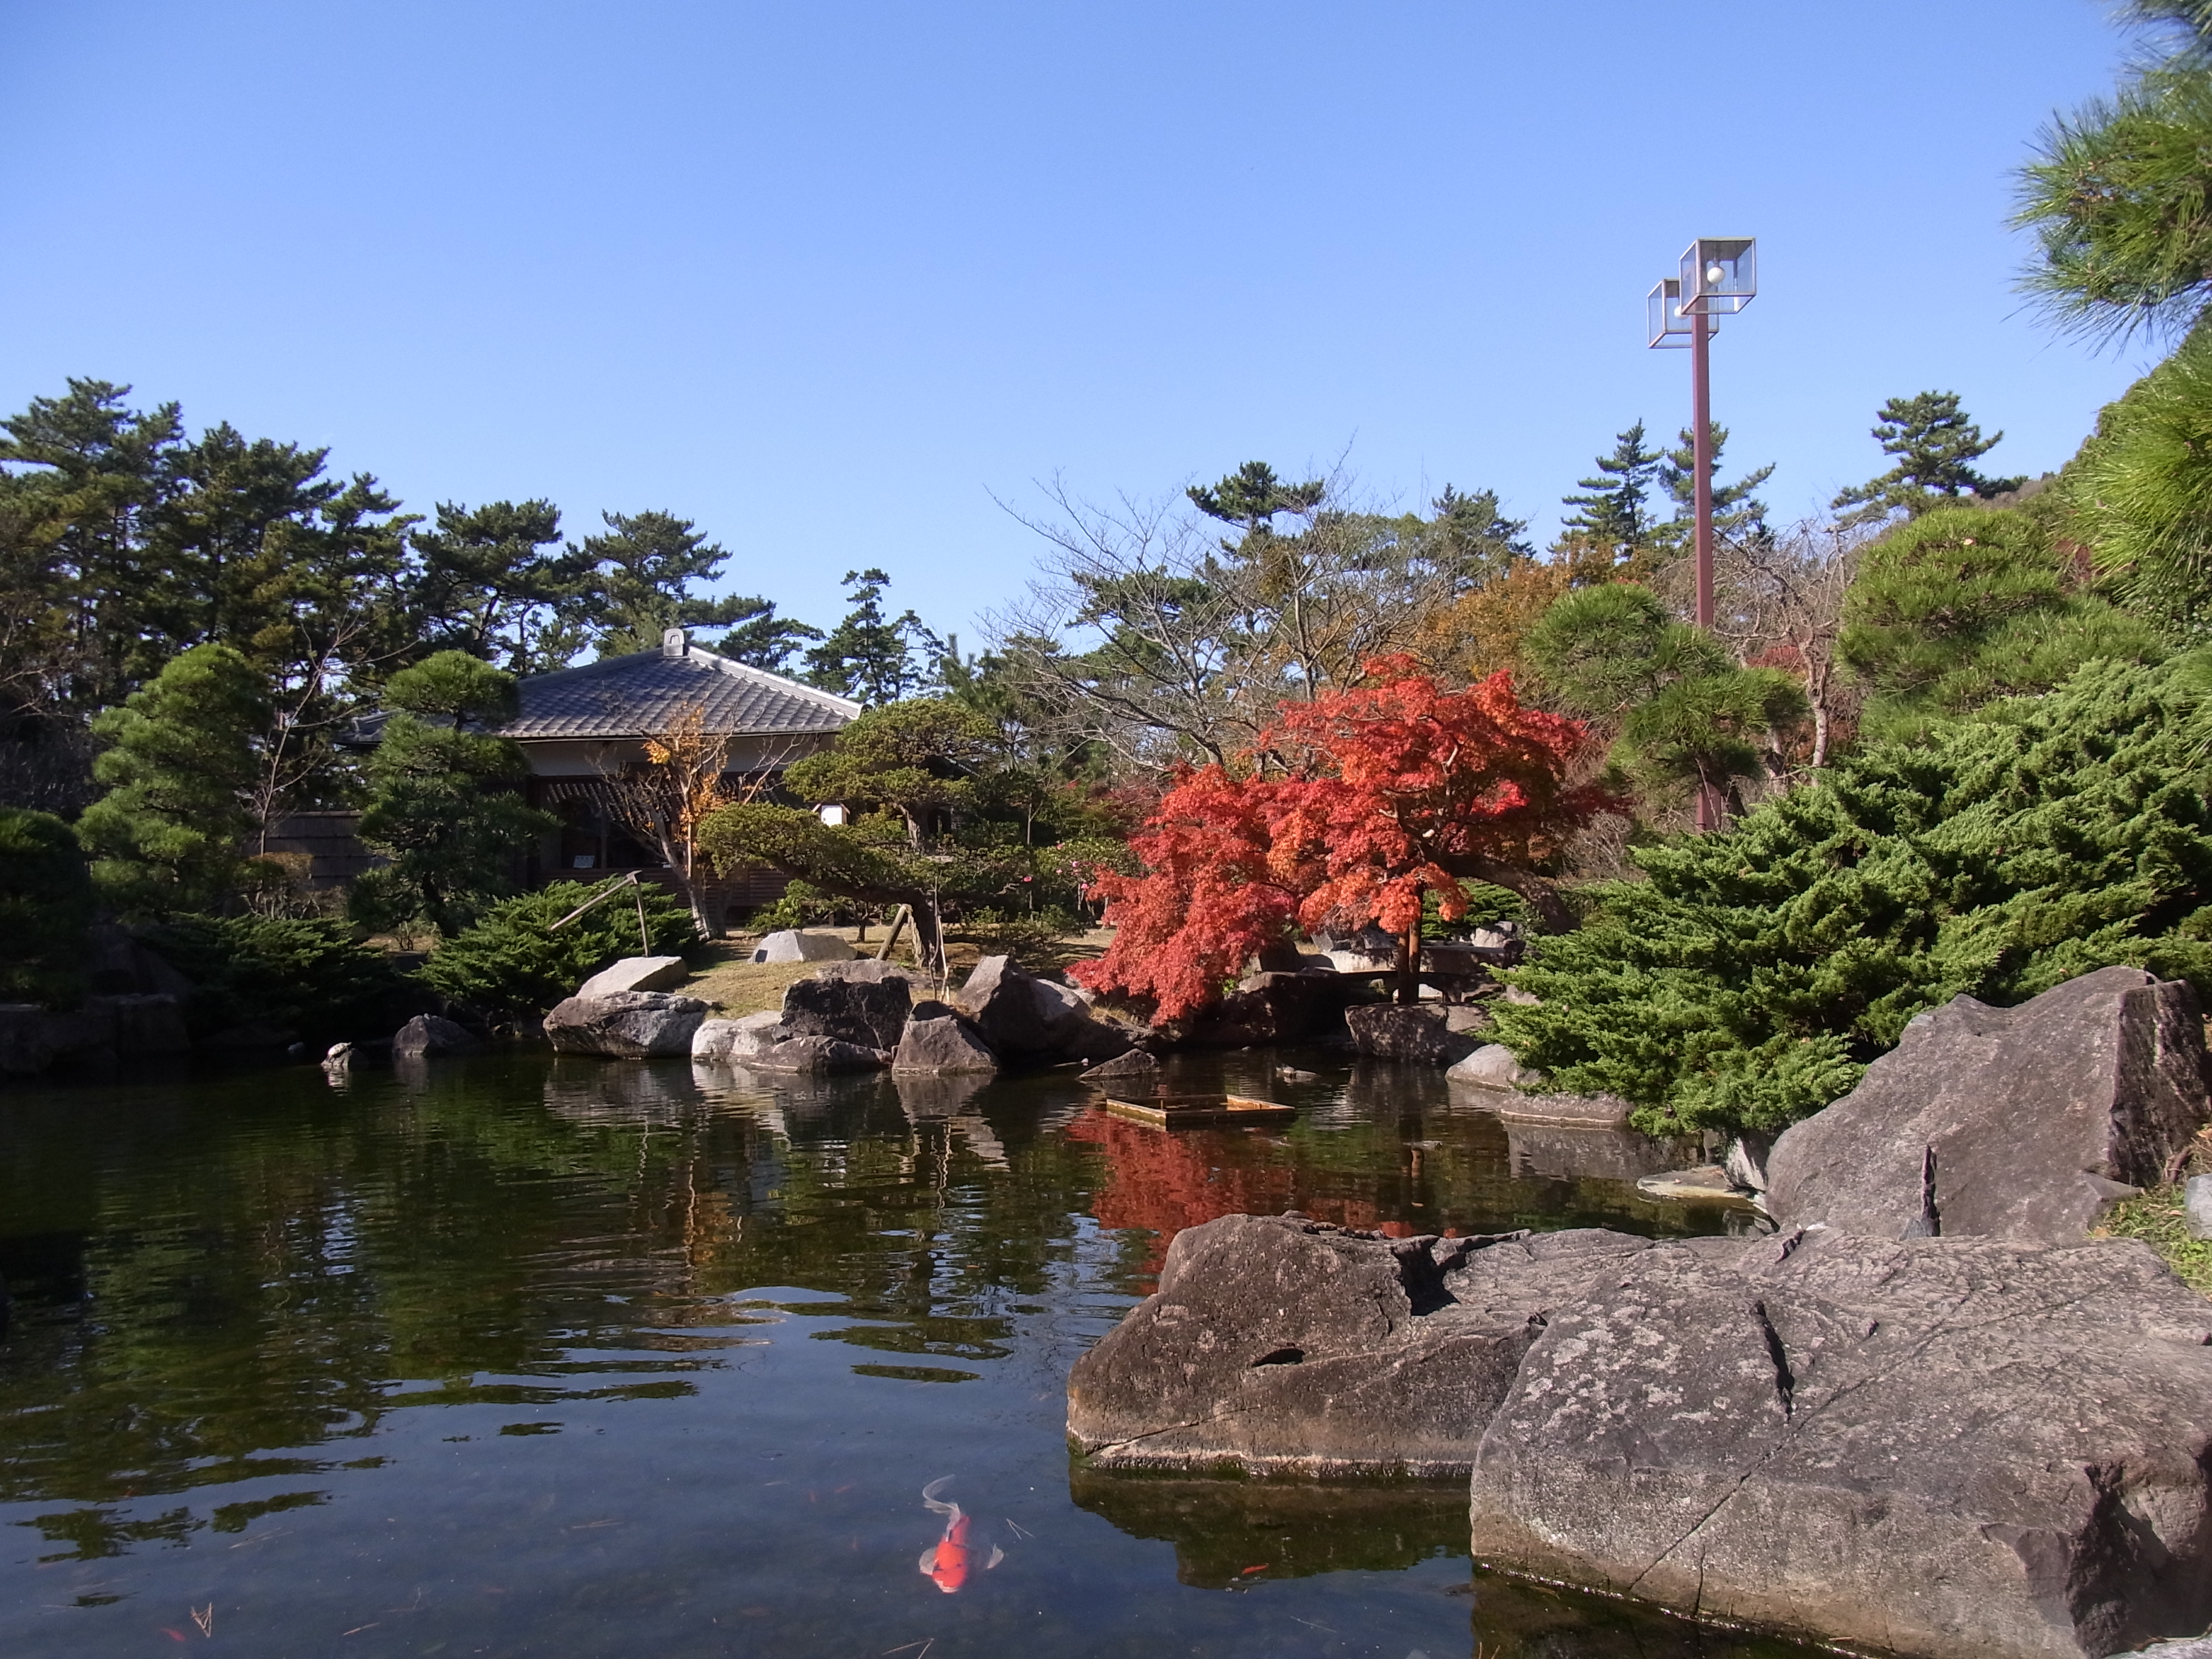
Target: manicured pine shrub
46, 905
308, 976
509, 965
1750, 979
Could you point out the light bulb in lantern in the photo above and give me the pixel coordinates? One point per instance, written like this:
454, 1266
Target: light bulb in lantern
1714, 274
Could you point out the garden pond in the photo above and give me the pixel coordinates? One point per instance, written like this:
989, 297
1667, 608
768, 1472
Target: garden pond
525, 1356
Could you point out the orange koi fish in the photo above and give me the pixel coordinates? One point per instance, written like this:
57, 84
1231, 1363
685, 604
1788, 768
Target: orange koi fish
946, 1561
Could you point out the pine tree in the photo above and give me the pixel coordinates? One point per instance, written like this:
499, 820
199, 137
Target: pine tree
868, 656
497, 582
1252, 496
1935, 445
1685, 713
444, 806
642, 570
1612, 514
761, 638
170, 832
1738, 513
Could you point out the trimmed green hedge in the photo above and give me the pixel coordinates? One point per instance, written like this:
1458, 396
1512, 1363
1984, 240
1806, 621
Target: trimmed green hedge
45, 906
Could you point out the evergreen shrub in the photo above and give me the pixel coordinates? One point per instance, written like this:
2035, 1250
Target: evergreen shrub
46, 905
309, 975
1750, 979
509, 965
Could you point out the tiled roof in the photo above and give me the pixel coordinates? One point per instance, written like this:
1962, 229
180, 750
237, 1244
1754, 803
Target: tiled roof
643, 693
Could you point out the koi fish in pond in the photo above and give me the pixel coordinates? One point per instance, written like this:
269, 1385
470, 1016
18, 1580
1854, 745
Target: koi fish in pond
946, 1562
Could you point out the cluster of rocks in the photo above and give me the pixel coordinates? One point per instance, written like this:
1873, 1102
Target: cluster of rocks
1931, 1413
850, 1016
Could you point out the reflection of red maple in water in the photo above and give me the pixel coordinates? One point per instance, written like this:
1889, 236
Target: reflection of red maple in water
1163, 1181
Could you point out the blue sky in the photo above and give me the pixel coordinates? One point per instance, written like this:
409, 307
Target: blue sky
828, 278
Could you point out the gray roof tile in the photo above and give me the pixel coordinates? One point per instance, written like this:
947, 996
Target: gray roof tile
643, 693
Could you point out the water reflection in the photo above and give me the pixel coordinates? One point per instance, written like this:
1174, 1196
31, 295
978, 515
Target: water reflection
517, 1353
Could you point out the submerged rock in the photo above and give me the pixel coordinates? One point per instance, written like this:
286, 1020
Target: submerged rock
733, 1040
947, 1043
629, 1025
2038, 1117
428, 1036
1426, 1034
1936, 1446
1493, 1066
1137, 1066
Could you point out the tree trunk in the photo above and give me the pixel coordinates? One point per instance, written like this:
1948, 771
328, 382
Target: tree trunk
1409, 965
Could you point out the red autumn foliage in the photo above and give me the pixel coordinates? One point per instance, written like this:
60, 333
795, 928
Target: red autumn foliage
1393, 789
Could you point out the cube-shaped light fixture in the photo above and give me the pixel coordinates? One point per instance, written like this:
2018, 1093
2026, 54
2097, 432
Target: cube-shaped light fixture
1720, 275
1667, 323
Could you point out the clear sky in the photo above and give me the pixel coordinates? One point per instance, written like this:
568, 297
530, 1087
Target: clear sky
827, 277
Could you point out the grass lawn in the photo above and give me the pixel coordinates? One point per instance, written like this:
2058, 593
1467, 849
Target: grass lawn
729, 978
2156, 1219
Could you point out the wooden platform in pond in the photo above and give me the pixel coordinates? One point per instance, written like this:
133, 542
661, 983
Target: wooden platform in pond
1200, 1111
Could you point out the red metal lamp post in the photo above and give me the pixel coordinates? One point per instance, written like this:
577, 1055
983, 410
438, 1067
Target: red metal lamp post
1719, 277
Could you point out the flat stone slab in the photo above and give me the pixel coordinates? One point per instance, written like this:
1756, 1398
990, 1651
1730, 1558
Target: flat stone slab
1283, 1345
1707, 1183
637, 973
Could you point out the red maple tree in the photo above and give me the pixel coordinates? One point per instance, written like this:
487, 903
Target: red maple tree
1379, 795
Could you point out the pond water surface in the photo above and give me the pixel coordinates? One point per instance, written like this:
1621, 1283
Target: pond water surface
519, 1356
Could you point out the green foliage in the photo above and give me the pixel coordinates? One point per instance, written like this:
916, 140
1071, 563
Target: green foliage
869, 657
1037, 939
1747, 981
2117, 198
1612, 514
445, 808
495, 581
1963, 606
914, 758
1684, 712
167, 835
2160, 1218
309, 975
46, 905
2141, 491
1935, 445
803, 905
1737, 511
509, 964
642, 570
1252, 495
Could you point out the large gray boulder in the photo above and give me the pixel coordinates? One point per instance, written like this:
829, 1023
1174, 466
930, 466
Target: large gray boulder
637, 973
429, 1036
1425, 1034
798, 945
1137, 1066
2038, 1116
629, 1025
1023, 1019
1963, 1448
871, 1012
868, 968
1284, 1346
946, 1044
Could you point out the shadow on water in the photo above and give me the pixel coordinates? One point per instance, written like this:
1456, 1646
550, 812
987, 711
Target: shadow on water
519, 1354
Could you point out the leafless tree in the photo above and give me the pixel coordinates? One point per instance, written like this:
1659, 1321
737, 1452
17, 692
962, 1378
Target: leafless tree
1151, 633
1778, 603
662, 803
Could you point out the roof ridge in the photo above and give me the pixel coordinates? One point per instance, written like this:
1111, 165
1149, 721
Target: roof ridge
731, 666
